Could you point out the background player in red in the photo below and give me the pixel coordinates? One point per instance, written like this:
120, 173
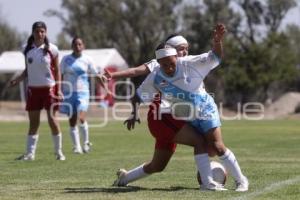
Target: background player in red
44, 91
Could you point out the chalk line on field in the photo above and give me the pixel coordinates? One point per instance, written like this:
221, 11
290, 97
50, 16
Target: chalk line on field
270, 188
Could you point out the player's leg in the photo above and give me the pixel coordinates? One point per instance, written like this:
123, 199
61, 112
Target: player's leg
159, 161
82, 108
164, 148
51, 105
34, 123
84, 129
229, 160
33, 106
188, 136
74, 133
56, 133
69, 107
32, 137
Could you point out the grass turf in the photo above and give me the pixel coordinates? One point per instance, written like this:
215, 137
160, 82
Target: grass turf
268, 152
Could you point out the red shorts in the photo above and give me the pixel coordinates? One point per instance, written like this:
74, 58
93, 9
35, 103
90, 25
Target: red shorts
164, 129
39, 98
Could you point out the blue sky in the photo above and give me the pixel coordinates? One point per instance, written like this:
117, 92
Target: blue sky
20, 14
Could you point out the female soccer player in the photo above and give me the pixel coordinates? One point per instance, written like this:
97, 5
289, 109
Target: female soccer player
181, 45
179, 80
44, 89
75, 70
167, 132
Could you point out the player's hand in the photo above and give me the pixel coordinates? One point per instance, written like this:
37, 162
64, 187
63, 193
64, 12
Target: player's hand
107, 75
13, 83
219, 32
104, 78
60, 95
103, 81
130, 122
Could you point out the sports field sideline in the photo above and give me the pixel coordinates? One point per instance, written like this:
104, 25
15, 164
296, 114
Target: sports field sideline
268, 152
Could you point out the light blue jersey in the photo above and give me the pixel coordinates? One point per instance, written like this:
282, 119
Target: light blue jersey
75, 87
184, 92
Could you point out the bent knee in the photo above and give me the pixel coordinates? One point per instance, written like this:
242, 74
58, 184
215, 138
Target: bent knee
219, 148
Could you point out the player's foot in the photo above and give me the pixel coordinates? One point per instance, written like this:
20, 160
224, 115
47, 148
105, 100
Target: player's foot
213, 186
60, 156
119, 182
87, 147
26, 156
243, 185
77, 150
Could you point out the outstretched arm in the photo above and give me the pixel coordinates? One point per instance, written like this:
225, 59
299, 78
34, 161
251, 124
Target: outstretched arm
218, 36
128, 73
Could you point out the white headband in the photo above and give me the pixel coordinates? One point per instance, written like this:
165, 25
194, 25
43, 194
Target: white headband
161, 53
177, 40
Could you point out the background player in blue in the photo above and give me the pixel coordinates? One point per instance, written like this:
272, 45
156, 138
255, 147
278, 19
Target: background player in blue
180, 80
75, 70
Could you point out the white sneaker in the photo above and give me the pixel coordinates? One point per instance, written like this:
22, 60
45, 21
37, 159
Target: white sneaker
119, 182
77, 150
60, 156
213, 186
242, 186
27, 157
87, 147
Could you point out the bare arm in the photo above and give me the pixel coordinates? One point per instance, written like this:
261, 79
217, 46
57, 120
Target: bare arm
57, 77
128, 73
20, 78
218, 36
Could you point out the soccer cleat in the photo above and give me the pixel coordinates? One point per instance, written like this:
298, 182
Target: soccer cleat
243, 185
77, 150
121, 174
60, 156
213, 186
27, 157
87, 147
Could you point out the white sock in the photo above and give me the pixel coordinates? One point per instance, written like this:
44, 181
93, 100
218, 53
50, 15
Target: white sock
32, 141
75, 137
57, 140
232, 165
84, 129
135, 174
204, 168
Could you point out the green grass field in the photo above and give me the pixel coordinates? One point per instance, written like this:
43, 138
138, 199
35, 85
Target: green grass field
268, 152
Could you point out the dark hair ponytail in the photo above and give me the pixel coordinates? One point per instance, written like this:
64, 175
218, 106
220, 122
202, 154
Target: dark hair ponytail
47, 45
30, 41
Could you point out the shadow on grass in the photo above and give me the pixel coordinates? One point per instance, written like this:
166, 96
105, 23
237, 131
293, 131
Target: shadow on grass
125, 189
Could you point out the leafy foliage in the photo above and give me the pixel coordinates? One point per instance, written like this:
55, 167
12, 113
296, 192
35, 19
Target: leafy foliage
133, 27
257, 53
9, 38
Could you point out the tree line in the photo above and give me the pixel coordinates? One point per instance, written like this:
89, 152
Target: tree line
261, 56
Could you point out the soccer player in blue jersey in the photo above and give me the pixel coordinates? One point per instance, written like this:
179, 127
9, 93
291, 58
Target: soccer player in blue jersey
180, 81
75, 69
